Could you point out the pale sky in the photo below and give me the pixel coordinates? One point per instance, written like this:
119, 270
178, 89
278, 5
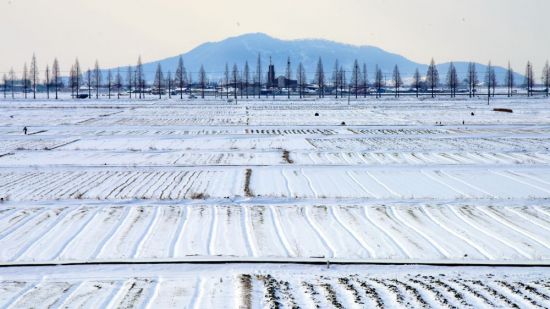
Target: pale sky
116, 31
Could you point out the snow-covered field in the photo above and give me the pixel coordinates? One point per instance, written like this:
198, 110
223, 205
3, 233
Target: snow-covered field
260, 181
79, 232
270, 286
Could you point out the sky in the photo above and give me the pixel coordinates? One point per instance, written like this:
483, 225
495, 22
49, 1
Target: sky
116, 32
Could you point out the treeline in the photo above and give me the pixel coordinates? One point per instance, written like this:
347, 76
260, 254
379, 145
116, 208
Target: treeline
244, 82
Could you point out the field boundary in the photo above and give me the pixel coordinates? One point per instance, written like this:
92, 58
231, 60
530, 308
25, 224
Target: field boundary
304, 261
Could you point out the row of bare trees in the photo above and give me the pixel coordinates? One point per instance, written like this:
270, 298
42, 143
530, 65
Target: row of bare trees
245, 82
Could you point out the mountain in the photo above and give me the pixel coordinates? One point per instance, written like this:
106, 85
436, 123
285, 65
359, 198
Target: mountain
214, 56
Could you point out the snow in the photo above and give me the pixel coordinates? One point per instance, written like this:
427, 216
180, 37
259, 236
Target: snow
141, 182
229, 286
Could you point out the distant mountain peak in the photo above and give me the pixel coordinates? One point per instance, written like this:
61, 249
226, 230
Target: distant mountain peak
247, 46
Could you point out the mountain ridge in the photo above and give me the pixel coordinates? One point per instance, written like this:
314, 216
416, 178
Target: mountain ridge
238, 49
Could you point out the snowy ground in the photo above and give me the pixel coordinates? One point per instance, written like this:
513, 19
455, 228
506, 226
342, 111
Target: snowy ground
261, 181
272, 286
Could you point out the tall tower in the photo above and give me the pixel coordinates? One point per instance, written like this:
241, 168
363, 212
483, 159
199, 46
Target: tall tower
271, 82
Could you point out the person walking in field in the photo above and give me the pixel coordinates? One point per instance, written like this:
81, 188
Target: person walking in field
25, 130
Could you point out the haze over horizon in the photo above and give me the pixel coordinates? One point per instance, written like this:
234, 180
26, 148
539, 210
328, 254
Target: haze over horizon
116, 32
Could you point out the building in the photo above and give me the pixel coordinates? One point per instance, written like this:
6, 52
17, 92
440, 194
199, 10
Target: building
283, 82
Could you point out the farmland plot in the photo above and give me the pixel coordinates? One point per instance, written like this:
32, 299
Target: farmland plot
368, 232
193, 286
138, 182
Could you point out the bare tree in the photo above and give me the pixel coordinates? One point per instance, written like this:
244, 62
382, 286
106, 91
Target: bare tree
169, 83
301, 78
5, 84
259, 74
235, 79
140, 78
397, 80
181, 76
118, 83
130, 80
546, 77
494, 82
509, 80
33, 72
365, 80
12, 82
417, 80
225, 82
288, 76
89, 80
452, 80
432, 77
356, 77
47, 81
379, 82
72, 80
342, 80
159, 80
529, 78
97, 79
246, 77
109, 83
336, 77
202, 80
490, 79
189, 81
472, 79
55, 75
77, 76
25, 79
320, 78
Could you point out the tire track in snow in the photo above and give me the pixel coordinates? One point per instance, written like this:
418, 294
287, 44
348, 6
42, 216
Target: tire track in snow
520, 181
490, 234
383, 185
384, 231
542, 211
114, 295
19, 295
349, 173
468, 185
276, 220
196, 299
33, 242
483, 252
512, 226
61, 301
151, 295
69, 241
246, 226
430, 240
287, 185
357, 238
115, 229
441, 182
531, 220
182, 223
19, 224
318, 231
8, 213
310, 185
530, 177
212, 231
146, 233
